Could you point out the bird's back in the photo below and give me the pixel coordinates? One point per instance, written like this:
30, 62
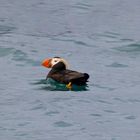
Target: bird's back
66, 76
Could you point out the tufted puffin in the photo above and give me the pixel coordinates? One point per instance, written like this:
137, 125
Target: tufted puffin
61, 74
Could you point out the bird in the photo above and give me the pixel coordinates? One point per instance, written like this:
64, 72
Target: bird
60, 72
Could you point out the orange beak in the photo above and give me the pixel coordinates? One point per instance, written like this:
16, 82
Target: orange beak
47, 63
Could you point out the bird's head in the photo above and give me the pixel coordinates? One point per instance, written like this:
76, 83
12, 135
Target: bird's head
49, 63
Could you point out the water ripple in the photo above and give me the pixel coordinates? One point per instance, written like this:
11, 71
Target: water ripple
96, 115
81, 8
23, 124
109, 111
106, 37
131, 117
134, 100
75, 41
104, 102
6, 29
133, 48
19, 55
117, 65
22, 57
103, 87
5, 51
38, 105
52, 113
62, 124
120, 100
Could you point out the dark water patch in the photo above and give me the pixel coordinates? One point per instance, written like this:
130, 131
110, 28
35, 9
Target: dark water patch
3, 128
109, 35
34, 51
112, 33
6, 29
80, 43
133, 48
37, 107
23, 124
126, 40
2, 19
109, 111
52, 113
95, 115
131, 117
5, 51
62, 124
117, 65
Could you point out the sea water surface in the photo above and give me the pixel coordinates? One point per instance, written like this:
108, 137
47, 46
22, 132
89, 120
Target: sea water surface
100, 37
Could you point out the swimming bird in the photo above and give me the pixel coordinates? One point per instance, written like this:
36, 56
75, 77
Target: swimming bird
60, 72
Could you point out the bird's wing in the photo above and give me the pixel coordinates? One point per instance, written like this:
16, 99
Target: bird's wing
67, 76
70, 75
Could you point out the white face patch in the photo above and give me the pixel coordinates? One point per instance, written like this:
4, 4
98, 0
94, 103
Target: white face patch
57, 60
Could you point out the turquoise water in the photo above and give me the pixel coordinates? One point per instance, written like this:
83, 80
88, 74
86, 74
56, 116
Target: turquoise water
97, 37
52, 85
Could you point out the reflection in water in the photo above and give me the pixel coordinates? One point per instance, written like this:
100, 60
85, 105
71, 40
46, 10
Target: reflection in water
52, 85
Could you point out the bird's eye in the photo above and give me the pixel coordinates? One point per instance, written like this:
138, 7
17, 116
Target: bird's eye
55, 60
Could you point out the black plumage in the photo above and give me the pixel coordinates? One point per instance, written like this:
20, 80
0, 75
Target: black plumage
60, 74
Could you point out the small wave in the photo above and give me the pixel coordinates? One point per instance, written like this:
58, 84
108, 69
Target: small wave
117, 65
131, 117
6, 29
62, 124
52, 113
133, 48
106, 36
81, 8
96, 115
